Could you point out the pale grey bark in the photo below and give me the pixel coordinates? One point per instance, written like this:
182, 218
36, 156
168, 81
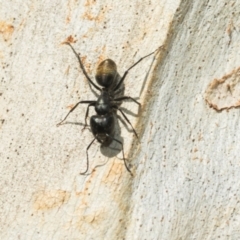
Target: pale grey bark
186, 163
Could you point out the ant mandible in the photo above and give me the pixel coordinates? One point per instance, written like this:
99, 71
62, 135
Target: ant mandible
102, 124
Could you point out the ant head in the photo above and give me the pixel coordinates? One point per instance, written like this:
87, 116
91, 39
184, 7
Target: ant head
106, 73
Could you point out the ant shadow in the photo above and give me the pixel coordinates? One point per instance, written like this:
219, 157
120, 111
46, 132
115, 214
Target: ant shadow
109, 149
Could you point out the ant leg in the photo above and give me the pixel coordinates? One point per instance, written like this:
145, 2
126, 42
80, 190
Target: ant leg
122, 152
87, 156
91, 102
90, 105
125, 74
82, 67
127, 97
126, 119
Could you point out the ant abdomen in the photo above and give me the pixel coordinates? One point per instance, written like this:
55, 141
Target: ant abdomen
106, 73
102, 124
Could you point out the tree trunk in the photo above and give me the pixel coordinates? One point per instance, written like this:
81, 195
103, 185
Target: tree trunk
185, 163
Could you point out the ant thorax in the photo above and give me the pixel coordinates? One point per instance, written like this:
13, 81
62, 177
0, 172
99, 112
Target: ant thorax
103, 105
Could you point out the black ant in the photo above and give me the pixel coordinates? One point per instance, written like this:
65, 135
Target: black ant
102, 124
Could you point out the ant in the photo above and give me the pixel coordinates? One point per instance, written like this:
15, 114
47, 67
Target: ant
102, 124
